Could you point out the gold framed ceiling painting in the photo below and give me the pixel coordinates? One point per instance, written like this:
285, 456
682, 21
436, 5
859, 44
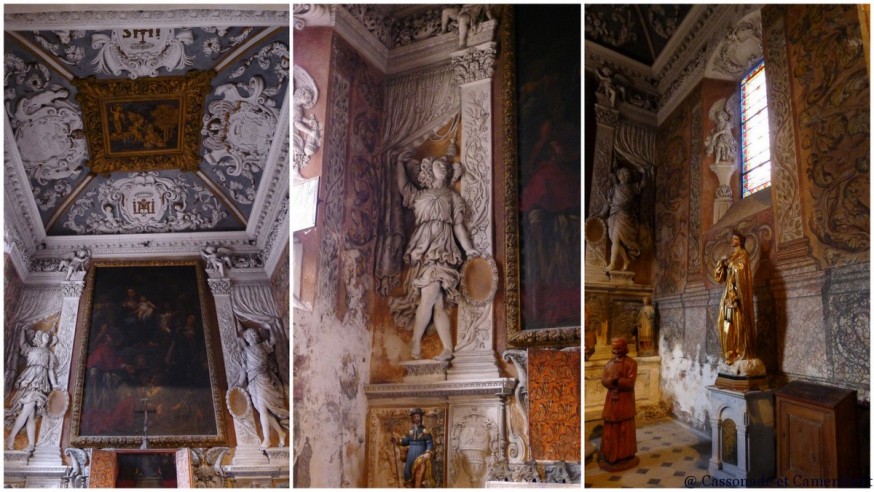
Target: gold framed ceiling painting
143, 124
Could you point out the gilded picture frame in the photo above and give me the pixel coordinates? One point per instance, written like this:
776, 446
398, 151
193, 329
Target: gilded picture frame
146, 349
145, 124
522, 332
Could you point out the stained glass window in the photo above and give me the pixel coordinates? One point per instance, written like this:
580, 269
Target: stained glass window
756, 150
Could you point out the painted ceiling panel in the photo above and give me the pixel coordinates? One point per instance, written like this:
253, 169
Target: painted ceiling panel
639, 32
234, 128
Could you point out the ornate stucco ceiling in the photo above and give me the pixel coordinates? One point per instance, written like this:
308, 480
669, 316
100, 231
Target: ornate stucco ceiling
640, 32
113, 98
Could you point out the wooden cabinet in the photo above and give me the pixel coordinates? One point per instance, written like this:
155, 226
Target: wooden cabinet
816, 433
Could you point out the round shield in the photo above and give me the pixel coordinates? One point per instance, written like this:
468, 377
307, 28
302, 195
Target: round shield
596, 230
57, 403
479, 280
239, 403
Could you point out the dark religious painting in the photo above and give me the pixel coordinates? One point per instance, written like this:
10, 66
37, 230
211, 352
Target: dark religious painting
145, 125
145, 358
146, 470
548, 101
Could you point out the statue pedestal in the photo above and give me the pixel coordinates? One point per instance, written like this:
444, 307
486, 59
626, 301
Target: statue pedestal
744, 439
743, 375
424, 371
620, 277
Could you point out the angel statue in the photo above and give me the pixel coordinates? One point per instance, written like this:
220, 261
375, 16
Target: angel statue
611, 84
721, 141
75, 263
33, 385
264, 387
216, 259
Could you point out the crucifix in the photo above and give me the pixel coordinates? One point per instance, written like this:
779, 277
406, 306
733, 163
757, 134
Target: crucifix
145, 400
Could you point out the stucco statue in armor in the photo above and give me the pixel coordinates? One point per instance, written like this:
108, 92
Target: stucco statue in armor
418, 472
32, 387
433, 252
264, 387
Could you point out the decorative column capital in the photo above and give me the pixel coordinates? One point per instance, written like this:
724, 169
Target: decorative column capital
219, 286
475, 63
606, 116
72, 288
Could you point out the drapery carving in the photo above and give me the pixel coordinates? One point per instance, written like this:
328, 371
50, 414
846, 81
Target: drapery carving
35, 306
635, 144
418, 106
254, 303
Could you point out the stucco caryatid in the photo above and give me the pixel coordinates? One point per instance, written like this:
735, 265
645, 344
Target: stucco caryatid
474, 68
39, 304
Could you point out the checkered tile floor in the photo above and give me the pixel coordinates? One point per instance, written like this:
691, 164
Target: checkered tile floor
668, 452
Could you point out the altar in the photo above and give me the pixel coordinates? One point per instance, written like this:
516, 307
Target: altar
141, 468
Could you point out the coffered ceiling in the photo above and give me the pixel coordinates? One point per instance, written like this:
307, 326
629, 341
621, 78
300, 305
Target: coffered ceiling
144, 122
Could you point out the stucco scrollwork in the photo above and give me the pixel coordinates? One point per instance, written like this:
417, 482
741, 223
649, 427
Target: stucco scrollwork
312, 14
72, 289
474, 442
372, 20
124, 51
517, 450
239, 130
785, 182
740, 49
145, 202
80, 469
334, 179
50, 138
219, 286
307, 129
475, 63
207, 463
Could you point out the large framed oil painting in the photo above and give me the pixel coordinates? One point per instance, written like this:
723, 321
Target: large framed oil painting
542, 194
146, 358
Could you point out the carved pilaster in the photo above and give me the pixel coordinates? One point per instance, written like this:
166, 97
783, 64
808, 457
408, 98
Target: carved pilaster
219, 286
48, 443
606, 116
334, 182
72, 289
474, 68
247, 436
786, 185
474, 64
607, 120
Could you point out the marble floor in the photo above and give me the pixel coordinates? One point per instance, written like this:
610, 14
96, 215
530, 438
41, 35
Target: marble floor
671, 455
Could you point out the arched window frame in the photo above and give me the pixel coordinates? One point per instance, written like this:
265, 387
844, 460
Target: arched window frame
755, 161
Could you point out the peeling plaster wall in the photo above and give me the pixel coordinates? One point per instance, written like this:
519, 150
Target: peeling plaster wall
807, 237
332, 345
